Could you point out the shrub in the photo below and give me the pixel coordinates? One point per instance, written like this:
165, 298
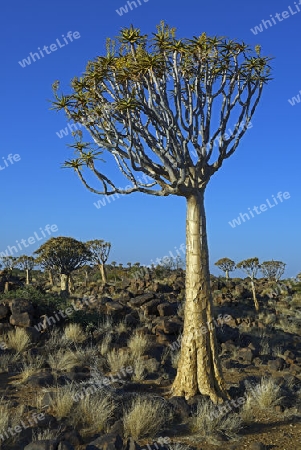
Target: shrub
138, 343
73, 332
94, 412
209, 419
146, 417
17, 339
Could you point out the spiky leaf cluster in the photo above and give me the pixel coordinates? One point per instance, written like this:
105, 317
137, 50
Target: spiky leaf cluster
158, 103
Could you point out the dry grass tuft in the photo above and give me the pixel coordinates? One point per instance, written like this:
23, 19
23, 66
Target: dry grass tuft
146, 417
118, 359
263, 397
210, 418
94, 412
63, 401
65, 360
18, 340
73, 332
105, 344
138, 343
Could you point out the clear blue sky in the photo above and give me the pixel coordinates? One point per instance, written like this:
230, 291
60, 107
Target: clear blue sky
36, 191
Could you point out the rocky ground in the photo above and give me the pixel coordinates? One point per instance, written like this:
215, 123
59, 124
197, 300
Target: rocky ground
95, 370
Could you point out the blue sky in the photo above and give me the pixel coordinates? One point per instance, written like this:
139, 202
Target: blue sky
36, 191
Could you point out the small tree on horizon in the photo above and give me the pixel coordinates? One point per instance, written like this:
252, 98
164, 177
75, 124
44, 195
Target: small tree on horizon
273, 270
250, 267
100, 251
9, 262
66, 255
226, 265
26, 263
161, 108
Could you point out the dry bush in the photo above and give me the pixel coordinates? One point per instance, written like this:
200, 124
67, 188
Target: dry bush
30, 368
139, 365
63, 402
138, 343
210, 419
73, 332
94, 412
121, 327
9, 417
265, 347
118, 359
54, 341
44, 435
278, 351
105, 325
105, 344
18, 340
146, 417
4, 415
65, 360
6, 360
264, 396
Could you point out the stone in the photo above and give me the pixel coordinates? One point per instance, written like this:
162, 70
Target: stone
131, 445
150, 307
111, 441
140, 300
166, 309
5, 328
180, 407
49, 444
23, 320
3, 311
276, 364
21, 305
170, 326
65, 445
246, 354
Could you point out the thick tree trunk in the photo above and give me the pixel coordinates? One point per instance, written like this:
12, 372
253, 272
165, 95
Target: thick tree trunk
50, 274
103, 273
86, 278
199, 369
27, 277
254, 296
64, 284
71, 284
227, 275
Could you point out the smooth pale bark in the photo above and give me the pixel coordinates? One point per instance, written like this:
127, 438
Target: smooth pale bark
64, 283
199, 369
86, 278
71, 284
27, 277
227, 275
103, 273
254, 296
50, 274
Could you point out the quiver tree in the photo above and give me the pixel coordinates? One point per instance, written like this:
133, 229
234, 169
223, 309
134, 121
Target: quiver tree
226, 265
100, 251
26, 263
161, 108
251, 267
64, 253
9, 262
273, 270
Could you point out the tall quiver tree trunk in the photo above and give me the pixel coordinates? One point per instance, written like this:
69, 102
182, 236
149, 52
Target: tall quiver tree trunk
64, 284
50, 277
199, 369
103, 273
27, 277
254, 295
